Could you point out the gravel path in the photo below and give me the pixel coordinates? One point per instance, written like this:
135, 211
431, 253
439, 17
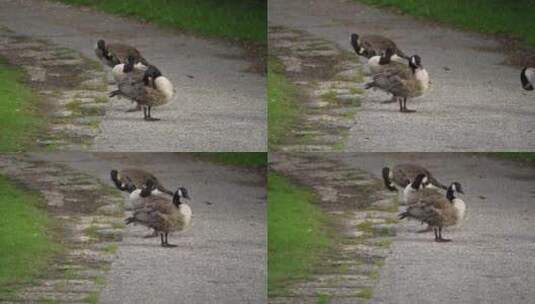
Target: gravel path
220, 259
475, 104
490, 259
221, 108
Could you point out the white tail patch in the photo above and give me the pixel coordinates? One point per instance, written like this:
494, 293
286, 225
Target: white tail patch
165, 86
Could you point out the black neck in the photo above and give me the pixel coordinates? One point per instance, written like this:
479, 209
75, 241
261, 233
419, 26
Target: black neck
450, 194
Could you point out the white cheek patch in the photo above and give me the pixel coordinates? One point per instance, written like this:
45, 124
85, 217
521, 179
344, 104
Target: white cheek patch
454, 188
180, 193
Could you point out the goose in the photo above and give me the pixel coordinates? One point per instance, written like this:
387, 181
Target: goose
527, 76
121, 71
387, 60
438, 211
403, 85
411, 194
127, 178
162, 214
372, 45
401, 175
112, 54
149, 91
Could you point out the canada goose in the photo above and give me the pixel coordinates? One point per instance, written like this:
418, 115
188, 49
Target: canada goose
130, 179
401, 175
149, 91
129, 69
372, 45
112, 54
403, 85
438, 211
411, 194
387, 59
162, 214
527, 76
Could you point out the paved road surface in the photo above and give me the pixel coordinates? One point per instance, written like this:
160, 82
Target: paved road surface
476, 105
221, 259
490, 259
221, 109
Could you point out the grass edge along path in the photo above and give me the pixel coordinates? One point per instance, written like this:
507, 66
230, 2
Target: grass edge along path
298, 233
26, 236
20, 123
513, 18
244, 20
283, 112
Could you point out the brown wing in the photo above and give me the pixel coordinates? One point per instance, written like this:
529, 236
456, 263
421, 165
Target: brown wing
137, 176
122, 51
392, 81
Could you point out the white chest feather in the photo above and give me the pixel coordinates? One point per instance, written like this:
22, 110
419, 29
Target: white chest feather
423, 78
134, 200
140, 66
165, 86
374, 61
185, 212
410, 195
530, 75
396, 58
117, 72
460, 207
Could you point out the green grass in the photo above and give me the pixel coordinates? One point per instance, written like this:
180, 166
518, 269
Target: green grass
245, 20
243, 159
514, 18
298, 233
282, 109
528, 157
25, 236
20, 121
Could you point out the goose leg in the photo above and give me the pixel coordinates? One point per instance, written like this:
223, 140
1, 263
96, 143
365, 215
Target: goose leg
405, 107
436, 234
400, 104
163, 242
167, 243
148, 117
440, 239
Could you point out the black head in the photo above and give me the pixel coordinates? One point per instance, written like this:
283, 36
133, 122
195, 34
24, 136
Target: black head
147, 188
114, 175
454, 187
129, 64
525, 81
386, 56
415, 62
356, 45
417, 182
101, 44
150, 75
